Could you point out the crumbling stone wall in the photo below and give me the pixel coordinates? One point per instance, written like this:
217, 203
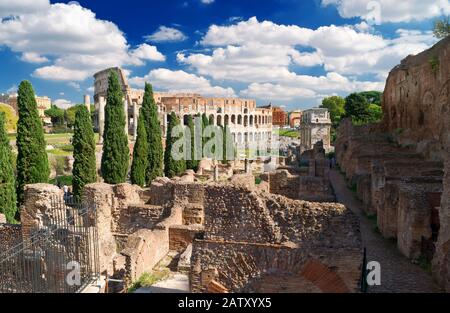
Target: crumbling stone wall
10, 236
250, 236
403, 157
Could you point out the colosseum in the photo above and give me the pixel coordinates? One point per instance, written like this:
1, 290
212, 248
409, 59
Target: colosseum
247, 123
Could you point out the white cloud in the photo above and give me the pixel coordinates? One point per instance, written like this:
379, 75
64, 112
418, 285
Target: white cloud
74, 85
180, 81
146, 52
166, 34
252, 30
78, 42
18, 7
32, 57
63, 103
207, 1
263, 54
383, 11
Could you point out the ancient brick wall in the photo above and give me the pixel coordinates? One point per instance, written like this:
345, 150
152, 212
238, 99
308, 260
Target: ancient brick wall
249, 235
10, 236
180, 236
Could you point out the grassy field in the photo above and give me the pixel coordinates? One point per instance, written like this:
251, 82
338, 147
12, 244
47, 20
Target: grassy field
288, 133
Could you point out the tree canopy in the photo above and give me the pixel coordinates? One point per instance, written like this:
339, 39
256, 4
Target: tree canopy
10, 117
441, 28
335, 106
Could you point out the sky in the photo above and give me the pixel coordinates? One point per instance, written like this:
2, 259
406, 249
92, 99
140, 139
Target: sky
291, 53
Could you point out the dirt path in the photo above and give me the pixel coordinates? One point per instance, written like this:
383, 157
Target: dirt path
398, 274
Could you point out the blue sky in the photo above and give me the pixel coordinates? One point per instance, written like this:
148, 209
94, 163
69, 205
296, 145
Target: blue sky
288, 52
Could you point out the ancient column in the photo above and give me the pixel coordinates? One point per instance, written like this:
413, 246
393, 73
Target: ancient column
135, 120
101, 118
87, 102
216, 173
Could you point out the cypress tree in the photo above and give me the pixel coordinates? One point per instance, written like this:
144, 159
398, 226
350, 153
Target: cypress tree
116, 153
8, 199
154, 134
172, 167
140, 153
32, 160
84, 166
192, 164
205, 123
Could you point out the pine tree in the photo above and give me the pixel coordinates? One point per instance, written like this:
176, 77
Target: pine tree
172, 167
32, 160
85, 166
140, 153
154, 134
192, 164
8, 205
116, 153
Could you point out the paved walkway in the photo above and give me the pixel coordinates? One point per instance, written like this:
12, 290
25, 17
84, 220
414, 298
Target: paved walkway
175, 283
398, 274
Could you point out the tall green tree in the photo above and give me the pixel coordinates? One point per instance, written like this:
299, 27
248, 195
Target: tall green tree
140, 153
356, 106
192, 164
205, 123
10, 117
173, 167
335, 106
32, 160
84, 167
153, 127
8, 205
116, 153
441, 27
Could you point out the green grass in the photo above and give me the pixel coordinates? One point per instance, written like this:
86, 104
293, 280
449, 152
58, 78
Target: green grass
288, 133
149, 279
59, 152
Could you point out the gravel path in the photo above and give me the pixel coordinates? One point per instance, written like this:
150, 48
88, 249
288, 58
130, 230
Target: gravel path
398, 274
175, 283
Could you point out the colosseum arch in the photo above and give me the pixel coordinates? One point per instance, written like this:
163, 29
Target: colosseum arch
251, 120
239, 120
219, 120
233, 119
246, 120
227, 119
211, 119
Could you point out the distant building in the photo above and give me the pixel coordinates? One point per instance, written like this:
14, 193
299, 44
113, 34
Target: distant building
43, 103
246, 122
295, 118
279, 117
315, 126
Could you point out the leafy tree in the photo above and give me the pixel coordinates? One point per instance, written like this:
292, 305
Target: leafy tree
140, 153
372, 97
116, 153
335, 106
441, 28
172, 167
56, 114
375, 113
84, 167
10, 117
70, 114
192, 164
154, 134
32, 160
356, 106
8, 205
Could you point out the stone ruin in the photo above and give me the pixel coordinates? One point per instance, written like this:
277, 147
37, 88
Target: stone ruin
306, 180
230, 236
400, 168
255, 241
